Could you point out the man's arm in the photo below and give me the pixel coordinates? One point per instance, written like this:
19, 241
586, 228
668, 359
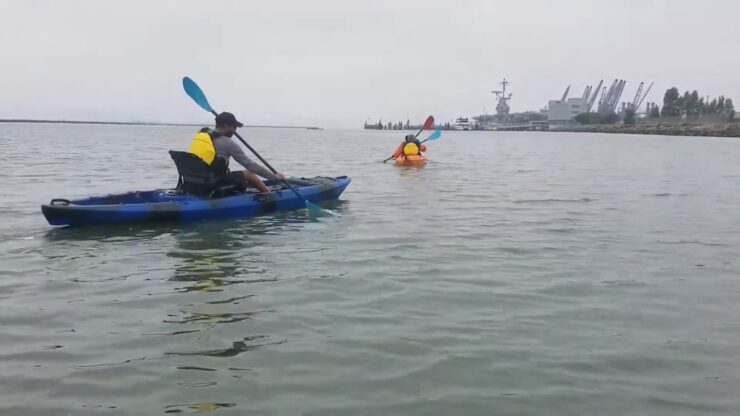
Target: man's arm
238, 154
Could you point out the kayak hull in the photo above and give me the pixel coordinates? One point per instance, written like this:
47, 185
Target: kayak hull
170, 205
410, 160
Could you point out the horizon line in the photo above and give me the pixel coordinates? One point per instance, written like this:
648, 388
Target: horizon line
142, 123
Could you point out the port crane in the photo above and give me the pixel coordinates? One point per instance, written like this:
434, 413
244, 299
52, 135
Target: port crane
610, 97
637, 102
594, 93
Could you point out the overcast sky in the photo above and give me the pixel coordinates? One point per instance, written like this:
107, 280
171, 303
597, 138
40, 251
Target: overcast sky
337, 63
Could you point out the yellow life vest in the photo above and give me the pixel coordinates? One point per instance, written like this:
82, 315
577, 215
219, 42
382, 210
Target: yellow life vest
411, 149
202, 146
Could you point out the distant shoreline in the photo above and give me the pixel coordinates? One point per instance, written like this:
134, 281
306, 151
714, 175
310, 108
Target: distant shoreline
133, 123
687, 129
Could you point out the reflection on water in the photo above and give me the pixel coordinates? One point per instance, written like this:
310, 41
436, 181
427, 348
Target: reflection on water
212, 257
223, 318
236, 348
214, 254
207, 261
209, 256
196, 407
110, 234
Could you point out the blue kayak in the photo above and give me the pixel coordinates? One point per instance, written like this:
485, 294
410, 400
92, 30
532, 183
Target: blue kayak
173, 205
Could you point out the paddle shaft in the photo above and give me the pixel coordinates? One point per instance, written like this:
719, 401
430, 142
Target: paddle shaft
420, 130
244, 142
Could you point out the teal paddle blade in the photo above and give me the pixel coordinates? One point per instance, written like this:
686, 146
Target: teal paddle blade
316, 211
434, 136
193, 90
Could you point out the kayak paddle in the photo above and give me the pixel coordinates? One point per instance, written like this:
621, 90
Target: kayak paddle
434, 136
426, 126
193, 90
428, 123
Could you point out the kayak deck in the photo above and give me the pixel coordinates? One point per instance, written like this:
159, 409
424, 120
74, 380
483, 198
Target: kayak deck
418, 160
173, 205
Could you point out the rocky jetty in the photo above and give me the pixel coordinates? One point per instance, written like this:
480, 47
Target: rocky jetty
684, 129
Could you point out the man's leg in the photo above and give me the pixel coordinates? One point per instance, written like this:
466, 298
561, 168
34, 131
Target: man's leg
255, 181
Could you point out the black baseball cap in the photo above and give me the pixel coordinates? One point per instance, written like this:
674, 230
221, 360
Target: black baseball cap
227, 118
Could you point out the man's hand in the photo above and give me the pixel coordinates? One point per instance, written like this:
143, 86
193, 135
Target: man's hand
280, 176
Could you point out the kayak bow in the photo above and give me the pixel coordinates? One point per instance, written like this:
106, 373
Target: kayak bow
418, 160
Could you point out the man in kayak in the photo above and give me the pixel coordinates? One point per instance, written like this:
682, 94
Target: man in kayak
215, 147
409, 147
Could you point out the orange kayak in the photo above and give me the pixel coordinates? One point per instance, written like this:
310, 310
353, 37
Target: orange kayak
410, 160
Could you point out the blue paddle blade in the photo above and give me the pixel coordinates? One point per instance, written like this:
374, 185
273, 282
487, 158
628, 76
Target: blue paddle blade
434, 136
193, 90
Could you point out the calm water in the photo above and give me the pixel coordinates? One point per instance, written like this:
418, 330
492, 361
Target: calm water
516, 274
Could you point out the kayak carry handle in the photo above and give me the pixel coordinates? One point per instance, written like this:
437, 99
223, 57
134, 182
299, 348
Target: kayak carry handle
60, 201
262, 197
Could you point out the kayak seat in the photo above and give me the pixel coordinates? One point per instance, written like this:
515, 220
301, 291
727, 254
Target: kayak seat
198, 178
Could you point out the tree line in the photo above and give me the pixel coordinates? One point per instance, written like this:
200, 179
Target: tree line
691, 104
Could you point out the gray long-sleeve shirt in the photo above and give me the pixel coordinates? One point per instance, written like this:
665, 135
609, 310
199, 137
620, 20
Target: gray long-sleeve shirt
226, 148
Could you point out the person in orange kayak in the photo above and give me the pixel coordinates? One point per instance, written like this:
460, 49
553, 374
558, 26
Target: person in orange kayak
409, 147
